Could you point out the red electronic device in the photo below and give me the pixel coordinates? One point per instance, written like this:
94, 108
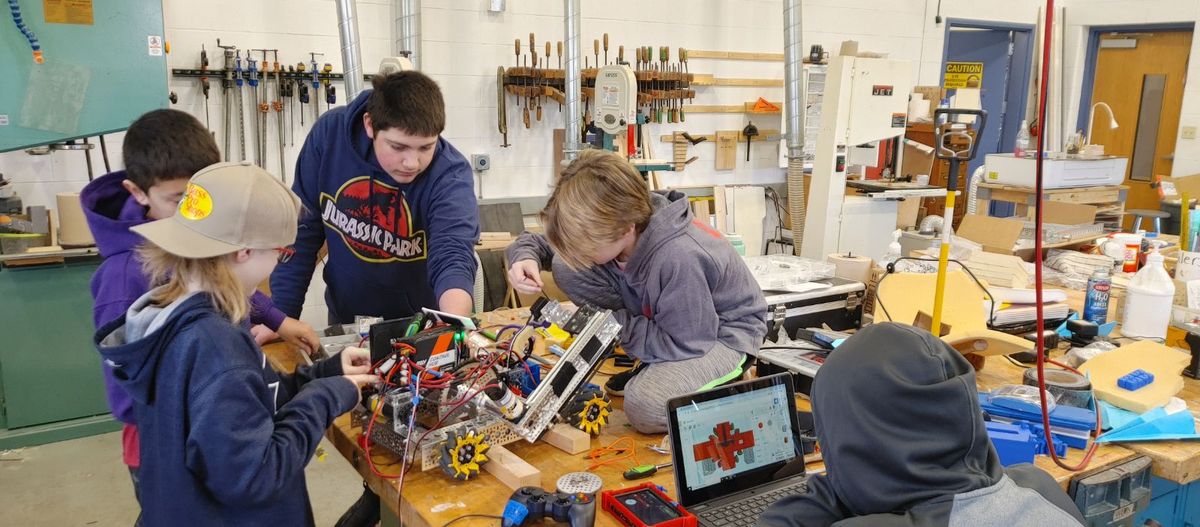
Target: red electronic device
645, 505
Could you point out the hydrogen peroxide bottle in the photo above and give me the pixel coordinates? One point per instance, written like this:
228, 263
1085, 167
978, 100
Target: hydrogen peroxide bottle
1095, 304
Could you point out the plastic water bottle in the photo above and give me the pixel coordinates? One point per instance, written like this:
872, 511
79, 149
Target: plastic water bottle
1095, 304
1022, 144
1148, 301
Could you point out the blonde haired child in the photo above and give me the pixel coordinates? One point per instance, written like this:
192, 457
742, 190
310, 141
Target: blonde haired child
224, 439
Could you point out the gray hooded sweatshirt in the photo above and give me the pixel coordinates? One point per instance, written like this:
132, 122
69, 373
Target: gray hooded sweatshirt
683, 292
898, 418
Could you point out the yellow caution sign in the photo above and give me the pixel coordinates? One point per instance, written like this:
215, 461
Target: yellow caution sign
963, 75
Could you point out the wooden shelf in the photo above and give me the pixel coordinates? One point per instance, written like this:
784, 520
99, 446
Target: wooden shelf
733, 55
706, 79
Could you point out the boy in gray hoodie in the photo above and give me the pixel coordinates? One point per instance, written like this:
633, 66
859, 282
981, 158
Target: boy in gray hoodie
688, 306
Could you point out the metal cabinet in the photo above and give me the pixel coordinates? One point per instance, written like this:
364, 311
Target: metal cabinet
1171, 505
51, 385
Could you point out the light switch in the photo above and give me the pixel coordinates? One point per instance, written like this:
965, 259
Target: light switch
1189, 132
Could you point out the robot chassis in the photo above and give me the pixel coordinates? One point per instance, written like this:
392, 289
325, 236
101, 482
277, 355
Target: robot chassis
457, 421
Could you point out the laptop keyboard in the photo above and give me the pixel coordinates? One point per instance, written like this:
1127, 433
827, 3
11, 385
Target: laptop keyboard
746, 511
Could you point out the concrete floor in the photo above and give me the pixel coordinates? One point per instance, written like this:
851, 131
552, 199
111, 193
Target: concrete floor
84, 482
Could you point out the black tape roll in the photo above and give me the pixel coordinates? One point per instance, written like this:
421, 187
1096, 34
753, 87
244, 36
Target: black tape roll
1070, 388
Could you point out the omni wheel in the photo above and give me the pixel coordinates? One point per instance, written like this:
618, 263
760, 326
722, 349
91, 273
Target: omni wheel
588, 411
463, 455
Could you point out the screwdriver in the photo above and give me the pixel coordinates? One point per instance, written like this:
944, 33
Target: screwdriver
644, 471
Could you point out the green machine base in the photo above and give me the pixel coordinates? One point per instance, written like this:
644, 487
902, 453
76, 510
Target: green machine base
51, 385
61, 431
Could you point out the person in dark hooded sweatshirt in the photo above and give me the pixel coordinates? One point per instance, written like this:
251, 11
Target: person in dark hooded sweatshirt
224, 438
394, 201
162, 150
898, 420
688, 306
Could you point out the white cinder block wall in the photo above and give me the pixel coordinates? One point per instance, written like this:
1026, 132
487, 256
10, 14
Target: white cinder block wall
462, 43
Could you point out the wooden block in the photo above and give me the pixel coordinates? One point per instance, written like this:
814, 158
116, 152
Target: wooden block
727, 141
705, 79
568, 438
1101, 195
510, 469
720, 208
560, 137
679, 147
924, 321
715, 108
27, 262
495, 236
45, 249
733, 55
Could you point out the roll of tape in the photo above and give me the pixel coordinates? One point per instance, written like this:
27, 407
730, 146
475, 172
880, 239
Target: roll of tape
1071, 389
851, 267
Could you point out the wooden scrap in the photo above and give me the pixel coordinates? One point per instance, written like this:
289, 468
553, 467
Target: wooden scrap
510, 469
568, 438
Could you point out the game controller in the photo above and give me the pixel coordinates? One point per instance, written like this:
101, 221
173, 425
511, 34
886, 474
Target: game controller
578, 510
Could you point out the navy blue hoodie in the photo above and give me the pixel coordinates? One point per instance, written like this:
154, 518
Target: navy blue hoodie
393, 248
111, 211
224, 438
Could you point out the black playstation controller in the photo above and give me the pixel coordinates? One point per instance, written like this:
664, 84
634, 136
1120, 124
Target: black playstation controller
531, 504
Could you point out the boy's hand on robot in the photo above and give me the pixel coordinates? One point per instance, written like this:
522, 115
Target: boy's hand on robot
360, 381
356, 361
526, 277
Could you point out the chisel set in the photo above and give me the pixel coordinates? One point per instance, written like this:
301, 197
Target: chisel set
663, 84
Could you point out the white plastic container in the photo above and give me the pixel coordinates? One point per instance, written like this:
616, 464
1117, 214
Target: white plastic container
1148, 301
1058, 171
1022, 143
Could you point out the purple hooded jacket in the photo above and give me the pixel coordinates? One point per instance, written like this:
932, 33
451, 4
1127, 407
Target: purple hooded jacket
110, 212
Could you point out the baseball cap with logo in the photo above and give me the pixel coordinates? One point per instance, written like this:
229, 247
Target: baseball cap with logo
227, 207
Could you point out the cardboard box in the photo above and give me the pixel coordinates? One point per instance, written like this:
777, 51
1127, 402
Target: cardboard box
996, 235
918, 159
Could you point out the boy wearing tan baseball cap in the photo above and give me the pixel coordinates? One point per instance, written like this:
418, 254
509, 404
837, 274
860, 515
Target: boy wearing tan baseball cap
224, 439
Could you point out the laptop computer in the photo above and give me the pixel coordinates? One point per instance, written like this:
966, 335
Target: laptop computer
736, 449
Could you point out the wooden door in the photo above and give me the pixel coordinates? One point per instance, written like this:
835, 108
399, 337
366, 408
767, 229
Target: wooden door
1120, 75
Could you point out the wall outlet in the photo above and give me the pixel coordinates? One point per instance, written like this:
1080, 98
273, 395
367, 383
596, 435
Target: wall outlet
1188, 132
481, 162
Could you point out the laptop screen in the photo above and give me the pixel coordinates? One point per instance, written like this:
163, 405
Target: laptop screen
733, 438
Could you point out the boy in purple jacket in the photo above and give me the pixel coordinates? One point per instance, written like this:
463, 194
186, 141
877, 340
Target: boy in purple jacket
162, 149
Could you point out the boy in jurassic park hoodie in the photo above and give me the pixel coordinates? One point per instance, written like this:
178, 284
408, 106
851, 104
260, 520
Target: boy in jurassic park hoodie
394, 202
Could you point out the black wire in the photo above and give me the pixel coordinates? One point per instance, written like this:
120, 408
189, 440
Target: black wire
465, 516
891, 268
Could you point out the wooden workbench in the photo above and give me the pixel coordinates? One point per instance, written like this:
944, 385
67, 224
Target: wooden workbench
432, 499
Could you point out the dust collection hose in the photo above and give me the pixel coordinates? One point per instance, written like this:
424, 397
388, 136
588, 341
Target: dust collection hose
1037, 261
33, 41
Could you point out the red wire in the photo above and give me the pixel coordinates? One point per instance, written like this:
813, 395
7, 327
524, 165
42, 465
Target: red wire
371, 426
1037, 252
